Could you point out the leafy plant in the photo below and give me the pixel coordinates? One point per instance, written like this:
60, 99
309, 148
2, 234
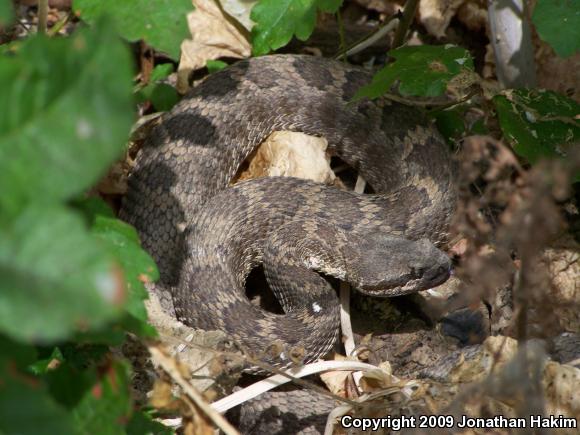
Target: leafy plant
278, 20
558, 23
423, 71
539, 123
162, 95
161, 23
6, 12
72, 274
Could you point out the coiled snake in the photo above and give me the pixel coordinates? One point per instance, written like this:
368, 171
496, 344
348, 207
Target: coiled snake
206, 237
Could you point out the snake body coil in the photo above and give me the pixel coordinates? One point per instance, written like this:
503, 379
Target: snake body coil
206, 237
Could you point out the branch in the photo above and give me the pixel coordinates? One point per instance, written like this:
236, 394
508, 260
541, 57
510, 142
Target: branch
42, 15
408, 14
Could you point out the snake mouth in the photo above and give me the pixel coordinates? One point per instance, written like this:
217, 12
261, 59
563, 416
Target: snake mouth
409, 284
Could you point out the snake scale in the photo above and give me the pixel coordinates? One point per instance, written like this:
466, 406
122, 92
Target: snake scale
206, 236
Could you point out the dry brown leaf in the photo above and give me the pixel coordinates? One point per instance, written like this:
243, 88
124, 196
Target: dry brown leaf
564, 269
335, 381
213, 36
240, 10
436, 15
556, 73
562, 386
495, 353
291, 154
473, 14
388, 7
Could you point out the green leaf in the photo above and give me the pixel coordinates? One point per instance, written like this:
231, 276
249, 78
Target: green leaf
26, 408
558, 23
162, 96
161, 72
215, 65
143, 424
70, 114
55, 276
160, 23
107, 408
42, 366
15, 354
451, 124
25, 405
330, 6
122, 242
538, 123
423, 71
278, 20
97, 398
6, 12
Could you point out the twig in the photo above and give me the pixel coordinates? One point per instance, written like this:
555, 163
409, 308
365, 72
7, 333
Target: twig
408, 14
42, 15
168, 365
341, 34
345, 323
59, 25
370, 39
288, 373
268, 384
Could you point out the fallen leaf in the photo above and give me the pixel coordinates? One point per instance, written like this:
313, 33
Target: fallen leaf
291, 154
436, 15
213, 36
240, 10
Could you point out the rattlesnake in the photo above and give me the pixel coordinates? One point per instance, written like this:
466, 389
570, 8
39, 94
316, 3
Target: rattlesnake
206, 237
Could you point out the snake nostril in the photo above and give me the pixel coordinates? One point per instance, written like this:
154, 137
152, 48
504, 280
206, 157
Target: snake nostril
417, 272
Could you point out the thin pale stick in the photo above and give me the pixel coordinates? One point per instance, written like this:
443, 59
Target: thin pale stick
169, 366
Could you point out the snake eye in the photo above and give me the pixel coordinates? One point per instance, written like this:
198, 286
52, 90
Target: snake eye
417, 272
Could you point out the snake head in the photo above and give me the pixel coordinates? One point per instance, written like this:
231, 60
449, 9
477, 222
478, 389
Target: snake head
384, 265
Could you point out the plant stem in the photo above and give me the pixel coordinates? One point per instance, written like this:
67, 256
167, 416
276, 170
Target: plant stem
369, 39
42, 15
59, 25
408, 14
341, 35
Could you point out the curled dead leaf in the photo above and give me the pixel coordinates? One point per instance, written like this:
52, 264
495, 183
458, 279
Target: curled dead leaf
213, 36
291, 154
436, 15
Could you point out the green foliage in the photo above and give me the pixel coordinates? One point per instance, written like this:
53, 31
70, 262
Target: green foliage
88, 76
538, 123
451, 124
160, 23
26, 407
72, 274
55, 274
215, 65
98, 398
122, 242
143, 424
161, 72
422, 71
278, 20
162, 95
558, 23
6, 12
